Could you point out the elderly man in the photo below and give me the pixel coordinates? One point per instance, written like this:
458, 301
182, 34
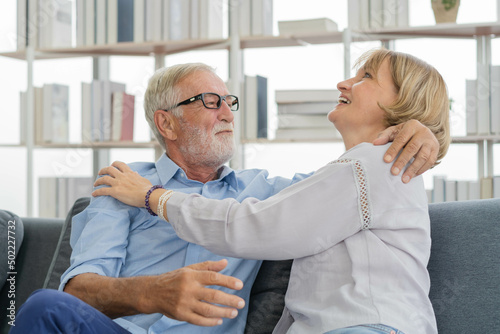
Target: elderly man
130, 265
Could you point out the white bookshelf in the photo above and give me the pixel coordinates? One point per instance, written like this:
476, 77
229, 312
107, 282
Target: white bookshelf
482, 33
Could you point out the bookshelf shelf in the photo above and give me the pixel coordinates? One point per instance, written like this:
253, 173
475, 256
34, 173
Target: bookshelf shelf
444, 30
101, 145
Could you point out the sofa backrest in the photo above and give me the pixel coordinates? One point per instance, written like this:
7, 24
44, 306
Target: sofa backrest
465, 266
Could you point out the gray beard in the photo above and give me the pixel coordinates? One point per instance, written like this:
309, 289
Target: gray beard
203, 149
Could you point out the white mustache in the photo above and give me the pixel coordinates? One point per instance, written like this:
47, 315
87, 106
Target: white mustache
219, 127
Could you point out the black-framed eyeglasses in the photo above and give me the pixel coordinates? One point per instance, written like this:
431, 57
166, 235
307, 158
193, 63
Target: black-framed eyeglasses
211, 101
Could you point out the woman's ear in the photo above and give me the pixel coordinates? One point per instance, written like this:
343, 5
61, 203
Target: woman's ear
166, 124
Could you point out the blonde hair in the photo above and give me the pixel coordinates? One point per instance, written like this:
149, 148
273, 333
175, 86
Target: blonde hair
421, 93
163, 92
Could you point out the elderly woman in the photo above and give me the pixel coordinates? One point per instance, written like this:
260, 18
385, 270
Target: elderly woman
359, 237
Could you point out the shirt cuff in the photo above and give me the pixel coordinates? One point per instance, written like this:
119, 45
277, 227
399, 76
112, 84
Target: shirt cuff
85, 269
173, 206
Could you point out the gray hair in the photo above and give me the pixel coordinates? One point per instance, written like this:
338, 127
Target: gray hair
163, 93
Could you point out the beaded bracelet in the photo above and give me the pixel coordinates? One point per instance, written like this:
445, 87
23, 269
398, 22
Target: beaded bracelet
146, 200
161, 203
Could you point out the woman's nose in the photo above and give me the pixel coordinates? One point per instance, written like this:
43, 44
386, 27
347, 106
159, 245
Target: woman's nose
344, 85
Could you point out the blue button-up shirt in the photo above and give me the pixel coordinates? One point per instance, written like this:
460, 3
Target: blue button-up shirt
113, 239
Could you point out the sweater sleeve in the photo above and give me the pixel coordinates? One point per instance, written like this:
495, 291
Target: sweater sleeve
303, 219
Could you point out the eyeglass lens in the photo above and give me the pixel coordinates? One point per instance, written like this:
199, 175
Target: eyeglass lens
213, 101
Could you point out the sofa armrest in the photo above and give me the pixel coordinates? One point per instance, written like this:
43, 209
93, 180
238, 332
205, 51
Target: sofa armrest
35, 255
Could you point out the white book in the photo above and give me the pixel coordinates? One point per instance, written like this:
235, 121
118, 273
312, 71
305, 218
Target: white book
438, 194
194, 19
108, 88
179, 20
47, 190
23, 116
139, 12
390, 14
210, 19
33, 23
89, 22
471, 107
22, 31
60, 114
483, 99
322, 108
474, 190
307, 134
306, 26
486, 187
165, 23
77, 187
47, 113
462, 190
100, 22
39, 123
86, 112
495, 99
262, 17
112, 22
61, 197
353, 14
450, 190
96, 109
62, 25
496, 187
306, 95
403, 15
250, 108
245, 17
376, 13
42, 27
80, 22
303, 121
364, 14
153, 20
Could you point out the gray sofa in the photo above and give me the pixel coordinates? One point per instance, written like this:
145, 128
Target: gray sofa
464, 267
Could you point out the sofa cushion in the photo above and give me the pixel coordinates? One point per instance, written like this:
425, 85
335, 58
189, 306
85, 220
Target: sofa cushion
267, 298
61, 259
11, 236
464, 266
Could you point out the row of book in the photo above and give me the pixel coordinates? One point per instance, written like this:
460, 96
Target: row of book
463, 190
377, 14
47, 24
302, 114
58, 194
255, 17
44, 24
483, 102
51, 114
107, 112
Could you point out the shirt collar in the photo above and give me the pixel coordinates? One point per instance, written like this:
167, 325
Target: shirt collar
166, 169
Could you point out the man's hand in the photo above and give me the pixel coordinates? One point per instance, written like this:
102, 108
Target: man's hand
417, 140
180, 294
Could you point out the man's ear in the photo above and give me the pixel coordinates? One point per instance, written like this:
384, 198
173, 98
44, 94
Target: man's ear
166, 124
